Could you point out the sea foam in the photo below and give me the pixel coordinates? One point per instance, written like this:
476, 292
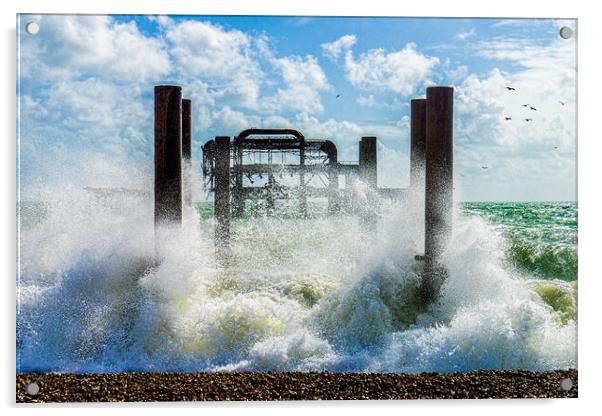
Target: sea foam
99, 290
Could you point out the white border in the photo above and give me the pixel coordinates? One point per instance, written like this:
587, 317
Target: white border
590, 200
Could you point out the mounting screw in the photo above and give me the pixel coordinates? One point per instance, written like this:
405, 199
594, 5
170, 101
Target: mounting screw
566, 384
33, 388
32, 28
566, 32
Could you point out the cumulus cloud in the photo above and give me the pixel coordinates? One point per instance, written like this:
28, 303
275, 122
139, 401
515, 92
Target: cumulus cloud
69, 46
522, 154
32, 107
87, 81
95, 102
304, 79
225, 57
162, 20
366, 101
401, 71
332, 50
465, 35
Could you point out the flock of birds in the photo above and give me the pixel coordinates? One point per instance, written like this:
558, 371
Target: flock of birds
529, 106
527, 119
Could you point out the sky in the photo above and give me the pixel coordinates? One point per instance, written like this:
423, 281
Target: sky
85, 93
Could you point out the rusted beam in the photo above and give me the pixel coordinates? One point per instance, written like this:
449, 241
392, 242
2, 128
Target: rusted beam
270, 197
187, 149
333, 176
168, 155
417, 143
271, 132
367, 163
439, 185
238, 201
222, 197
302, 184
276, 168
368, 175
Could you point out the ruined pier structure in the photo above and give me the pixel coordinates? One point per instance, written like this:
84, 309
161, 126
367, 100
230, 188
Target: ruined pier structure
173, 151
431, 169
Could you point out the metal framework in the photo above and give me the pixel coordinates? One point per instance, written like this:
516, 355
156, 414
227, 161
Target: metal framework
273, 164
224, 169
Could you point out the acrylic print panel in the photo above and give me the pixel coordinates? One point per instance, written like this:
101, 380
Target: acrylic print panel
283, 208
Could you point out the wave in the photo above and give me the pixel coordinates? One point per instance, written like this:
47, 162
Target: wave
96, 294
553, 261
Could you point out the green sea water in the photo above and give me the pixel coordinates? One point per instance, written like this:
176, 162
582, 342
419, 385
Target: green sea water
541, 237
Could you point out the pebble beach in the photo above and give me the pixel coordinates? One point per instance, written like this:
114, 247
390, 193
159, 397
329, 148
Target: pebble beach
268, 386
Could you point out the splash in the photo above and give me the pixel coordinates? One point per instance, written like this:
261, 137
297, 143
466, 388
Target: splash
97, 294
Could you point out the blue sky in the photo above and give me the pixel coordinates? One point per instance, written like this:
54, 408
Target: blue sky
85, 93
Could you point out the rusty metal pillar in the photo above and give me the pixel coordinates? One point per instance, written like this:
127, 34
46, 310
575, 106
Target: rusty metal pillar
417, 143
270, 190
168, 155
302, 184
439, 185
187, 149
368, 175
333, 176
368, 167
222, 197
238, 200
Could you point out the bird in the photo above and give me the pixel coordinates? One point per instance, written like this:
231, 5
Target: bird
338, 95
511, 88
533, 108
507, 118
555, 147
562, 102
525, 105
527, 119
484, 167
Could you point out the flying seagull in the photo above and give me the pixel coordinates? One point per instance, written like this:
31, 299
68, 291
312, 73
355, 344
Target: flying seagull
525, 105
562, 102
338, 95
555, 147
533, 108
507, 118
511, 88
484, 167
527, 119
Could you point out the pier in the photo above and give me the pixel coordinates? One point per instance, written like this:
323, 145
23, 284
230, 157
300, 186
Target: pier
270, 165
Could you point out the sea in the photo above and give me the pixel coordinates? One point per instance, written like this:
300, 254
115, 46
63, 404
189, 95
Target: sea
100, 290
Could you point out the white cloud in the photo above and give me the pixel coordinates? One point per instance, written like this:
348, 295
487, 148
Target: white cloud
368, 101
465, 35
75, 45
342, 131
522, 155
31, 107
162, 20
304, 80
232, 121
332, 50
458, 73
99, 110
203, 103
206, 51
400, 71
